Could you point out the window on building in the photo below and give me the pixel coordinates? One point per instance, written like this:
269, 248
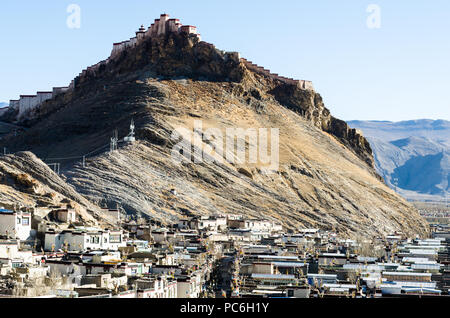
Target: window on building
115, 238
25, 221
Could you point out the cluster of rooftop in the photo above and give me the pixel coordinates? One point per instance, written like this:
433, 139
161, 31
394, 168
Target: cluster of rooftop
314, 263
54, 255
210, 256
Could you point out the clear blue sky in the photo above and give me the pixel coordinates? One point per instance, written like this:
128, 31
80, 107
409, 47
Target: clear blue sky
400, 71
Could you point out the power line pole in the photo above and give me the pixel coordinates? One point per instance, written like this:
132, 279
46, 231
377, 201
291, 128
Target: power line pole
116, 136
56, 167
114, 140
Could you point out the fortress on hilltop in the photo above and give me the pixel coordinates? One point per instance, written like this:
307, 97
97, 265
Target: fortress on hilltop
161, 26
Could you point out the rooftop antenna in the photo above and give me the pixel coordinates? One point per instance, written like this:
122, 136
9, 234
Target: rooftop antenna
55, 167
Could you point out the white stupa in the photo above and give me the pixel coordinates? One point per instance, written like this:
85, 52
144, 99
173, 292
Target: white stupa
130, 138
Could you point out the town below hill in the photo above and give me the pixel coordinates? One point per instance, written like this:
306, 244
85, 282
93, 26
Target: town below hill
219, 256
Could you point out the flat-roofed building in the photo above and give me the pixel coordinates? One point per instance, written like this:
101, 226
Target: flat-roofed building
15, 225
81, 239
407, 276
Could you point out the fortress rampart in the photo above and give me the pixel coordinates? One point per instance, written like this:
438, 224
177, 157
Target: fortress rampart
161, 26
27, 103
303, 84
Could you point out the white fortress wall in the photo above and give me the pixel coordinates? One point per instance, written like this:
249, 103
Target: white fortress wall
59, 90
26, 103
174, 25
161, 26
43, 96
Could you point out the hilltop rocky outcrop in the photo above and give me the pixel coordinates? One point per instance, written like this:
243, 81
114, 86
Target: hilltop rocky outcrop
326, 176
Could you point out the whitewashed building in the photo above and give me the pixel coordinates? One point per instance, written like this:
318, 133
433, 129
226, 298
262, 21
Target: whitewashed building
82, 238
161, 287
213, 223
255, 225
188, 287
15, 225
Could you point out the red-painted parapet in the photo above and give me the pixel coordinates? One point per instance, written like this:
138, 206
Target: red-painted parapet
307, 85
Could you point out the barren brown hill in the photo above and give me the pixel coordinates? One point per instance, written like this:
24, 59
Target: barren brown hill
326, 177
27, 182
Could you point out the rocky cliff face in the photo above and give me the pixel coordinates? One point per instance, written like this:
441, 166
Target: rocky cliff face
326, 176
310, 106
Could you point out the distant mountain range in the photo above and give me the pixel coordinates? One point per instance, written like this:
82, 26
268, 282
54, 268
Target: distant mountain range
412, 156
3, 104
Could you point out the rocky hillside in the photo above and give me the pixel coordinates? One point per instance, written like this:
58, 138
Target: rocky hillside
3, 108
26, 182
326, 176
412, 156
